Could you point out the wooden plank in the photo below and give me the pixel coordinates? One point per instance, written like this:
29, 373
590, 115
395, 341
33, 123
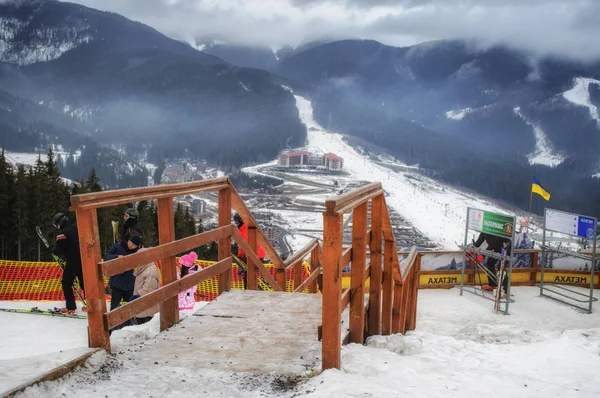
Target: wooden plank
336, 202
89, 243
134, 198
376, 271
298, 274
396, 308
345, 299
387, 287
332, 285
357, 202
405, 269
314, 266
144, 193
244, 212
167, 291
169, 310
346, 256
251, 275
254, 257
358, 272
225, 243
412, 321
300, 254
122, 264
309, 281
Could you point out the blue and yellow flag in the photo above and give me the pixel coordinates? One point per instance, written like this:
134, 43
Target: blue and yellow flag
536, 187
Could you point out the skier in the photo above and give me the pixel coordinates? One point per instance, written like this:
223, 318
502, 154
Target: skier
122, 285
67, 248
243, 230
146, 281
131, 225
188, 267
492, 243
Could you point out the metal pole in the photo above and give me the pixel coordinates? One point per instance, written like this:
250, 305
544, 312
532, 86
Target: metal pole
543, 265
464, 263
511, 251
593, 268
529, 214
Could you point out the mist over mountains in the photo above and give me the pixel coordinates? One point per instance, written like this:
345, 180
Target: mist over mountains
486, 119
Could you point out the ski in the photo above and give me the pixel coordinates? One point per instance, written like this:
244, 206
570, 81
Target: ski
36, 311
500, 279
60, 261
115, 230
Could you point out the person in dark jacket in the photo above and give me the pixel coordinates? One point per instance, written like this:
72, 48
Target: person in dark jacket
493, 243
122, 285
131, 225
67, 248
243, 230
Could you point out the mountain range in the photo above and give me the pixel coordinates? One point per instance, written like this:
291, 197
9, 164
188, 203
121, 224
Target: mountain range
482, 118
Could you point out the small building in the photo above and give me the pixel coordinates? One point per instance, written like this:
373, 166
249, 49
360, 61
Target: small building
198, 206
333, 162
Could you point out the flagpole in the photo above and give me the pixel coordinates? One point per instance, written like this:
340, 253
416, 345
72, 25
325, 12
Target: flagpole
529, 214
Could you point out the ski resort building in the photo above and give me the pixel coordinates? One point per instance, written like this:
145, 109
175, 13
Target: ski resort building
305, 159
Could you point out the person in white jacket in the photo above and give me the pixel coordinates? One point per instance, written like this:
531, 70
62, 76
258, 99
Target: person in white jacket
146, 281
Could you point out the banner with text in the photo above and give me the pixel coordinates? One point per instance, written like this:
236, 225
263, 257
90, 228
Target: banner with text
491, 223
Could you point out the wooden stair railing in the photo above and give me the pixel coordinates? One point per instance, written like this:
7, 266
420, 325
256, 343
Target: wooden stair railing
85, 206
392, 291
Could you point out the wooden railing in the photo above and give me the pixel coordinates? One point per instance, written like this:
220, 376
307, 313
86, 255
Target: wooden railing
100, 320
392, 292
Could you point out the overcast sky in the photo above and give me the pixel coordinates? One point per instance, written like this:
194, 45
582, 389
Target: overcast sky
559, 27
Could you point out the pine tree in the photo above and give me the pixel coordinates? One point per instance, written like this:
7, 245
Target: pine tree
21, 213
6, 201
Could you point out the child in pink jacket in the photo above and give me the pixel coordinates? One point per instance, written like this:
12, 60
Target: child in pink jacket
188, 266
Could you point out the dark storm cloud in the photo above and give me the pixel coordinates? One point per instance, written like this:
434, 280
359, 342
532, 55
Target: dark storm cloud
559, 27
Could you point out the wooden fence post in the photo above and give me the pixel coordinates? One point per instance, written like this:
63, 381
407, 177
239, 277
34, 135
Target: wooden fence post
89, 243
412, 320
332, 289
534, 266
357, 280
252, 269
387, 287
376, 272
225, 243
169, 309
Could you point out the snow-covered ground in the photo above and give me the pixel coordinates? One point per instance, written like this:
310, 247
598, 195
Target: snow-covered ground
580, 95
459, 349
543, 153
435, 209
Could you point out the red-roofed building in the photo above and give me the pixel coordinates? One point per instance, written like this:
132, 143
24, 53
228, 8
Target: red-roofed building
289, 159
333, 162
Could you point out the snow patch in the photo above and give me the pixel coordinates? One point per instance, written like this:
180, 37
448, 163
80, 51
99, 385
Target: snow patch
543, 153
458, 114
243, 86
580, 95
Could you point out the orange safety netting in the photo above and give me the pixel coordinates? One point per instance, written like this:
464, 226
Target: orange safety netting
41, 281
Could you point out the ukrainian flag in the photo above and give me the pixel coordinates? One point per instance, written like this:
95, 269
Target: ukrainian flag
536, 187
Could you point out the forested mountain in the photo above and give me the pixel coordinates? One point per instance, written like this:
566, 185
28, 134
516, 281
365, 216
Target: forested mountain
79, 77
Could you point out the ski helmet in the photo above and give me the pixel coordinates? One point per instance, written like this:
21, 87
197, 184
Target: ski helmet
132, 212
59, 220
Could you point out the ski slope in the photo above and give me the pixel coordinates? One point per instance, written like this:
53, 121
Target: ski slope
579, 94
435, 209
460, 349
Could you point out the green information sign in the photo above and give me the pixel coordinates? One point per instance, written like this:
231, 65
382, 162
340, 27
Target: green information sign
491, 223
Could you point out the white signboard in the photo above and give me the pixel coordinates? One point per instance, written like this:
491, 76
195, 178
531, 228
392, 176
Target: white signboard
569, 223
475, 219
